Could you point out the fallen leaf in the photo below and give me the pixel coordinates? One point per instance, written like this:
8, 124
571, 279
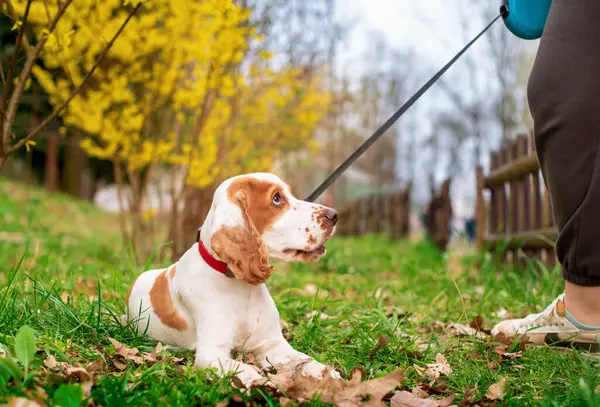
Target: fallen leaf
381, 342
406, 399
435, 370
496, 390
76, 372
342, 392
51, 363
64, 296
177, 360
419, 392
284, 374
477, 324
132, 354
502, 338
87, 388
465, 330
468, 396
502, 351
96, 367
153, 357
119, 365
493, 365
22, 402
437, 389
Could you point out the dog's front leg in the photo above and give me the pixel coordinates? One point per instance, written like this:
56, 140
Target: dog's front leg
279, 352
211, 356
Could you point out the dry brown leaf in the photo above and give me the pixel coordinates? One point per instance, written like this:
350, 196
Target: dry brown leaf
77, 372
96, 367
23, 402
496, 390
381, 342
119, 365
502, 351
493, 365
222, 403
465, 330
342, 392
285, 374
87, 388
435, 370
64, 296
468, 396
132, 354
177, 360
51, 363
153, 357
406, 399
419, 392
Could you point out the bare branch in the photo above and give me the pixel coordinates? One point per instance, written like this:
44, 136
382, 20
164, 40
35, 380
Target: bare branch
79, 88
7, 82
26, 72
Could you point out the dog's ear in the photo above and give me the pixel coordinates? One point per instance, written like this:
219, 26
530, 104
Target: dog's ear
238, 243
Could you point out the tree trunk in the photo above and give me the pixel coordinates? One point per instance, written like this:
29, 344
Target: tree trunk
74, 167
51, 173
197, 203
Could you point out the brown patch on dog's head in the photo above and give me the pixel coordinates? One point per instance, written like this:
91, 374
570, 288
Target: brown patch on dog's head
261, 203
258, 197
163, 306
172, 272
242, 246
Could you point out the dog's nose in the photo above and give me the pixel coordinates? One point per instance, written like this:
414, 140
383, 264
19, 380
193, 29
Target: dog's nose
331, 215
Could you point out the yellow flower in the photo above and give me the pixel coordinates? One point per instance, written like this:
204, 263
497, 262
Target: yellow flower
29, 144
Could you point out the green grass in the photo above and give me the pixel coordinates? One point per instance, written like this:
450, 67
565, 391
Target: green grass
65, 274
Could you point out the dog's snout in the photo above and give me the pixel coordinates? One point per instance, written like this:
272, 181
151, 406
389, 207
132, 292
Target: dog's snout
331, 215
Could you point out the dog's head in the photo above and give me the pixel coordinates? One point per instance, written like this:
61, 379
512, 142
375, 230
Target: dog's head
255, 217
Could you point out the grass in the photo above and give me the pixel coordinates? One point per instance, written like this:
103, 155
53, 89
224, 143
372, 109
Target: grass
65, 274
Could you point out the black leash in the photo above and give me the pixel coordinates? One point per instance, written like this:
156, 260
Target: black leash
385, 127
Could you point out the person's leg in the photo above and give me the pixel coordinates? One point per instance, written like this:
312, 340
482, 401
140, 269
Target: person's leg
563, 94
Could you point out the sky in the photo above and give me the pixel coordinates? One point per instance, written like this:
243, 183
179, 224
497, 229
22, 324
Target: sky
430, 28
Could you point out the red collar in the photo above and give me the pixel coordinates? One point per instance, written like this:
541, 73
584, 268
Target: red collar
212, 262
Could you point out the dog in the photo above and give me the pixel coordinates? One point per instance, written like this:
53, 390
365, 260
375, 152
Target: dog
214, 299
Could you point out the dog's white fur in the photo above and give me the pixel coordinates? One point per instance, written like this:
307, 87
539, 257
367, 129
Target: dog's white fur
216, 314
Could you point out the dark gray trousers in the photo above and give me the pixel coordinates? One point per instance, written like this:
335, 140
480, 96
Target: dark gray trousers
564, 98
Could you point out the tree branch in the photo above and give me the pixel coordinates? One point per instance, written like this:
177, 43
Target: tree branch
7, 82
26, 73
79, 88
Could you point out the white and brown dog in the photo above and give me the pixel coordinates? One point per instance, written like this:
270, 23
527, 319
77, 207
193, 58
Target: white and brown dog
214, 300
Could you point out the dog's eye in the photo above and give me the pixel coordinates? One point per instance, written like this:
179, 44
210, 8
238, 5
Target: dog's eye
277, 200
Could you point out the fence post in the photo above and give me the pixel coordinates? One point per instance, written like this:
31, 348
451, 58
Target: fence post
480, 211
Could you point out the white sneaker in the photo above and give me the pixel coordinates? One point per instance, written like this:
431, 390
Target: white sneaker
550, 326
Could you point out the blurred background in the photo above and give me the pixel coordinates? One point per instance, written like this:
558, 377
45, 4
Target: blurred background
191, 93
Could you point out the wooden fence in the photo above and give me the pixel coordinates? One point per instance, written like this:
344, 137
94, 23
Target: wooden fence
388, 212
438, 215
518, 215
